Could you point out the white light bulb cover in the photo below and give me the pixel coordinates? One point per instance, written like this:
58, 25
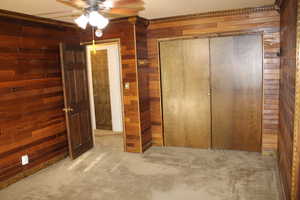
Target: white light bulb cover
93, 18
82, 21
99, 33
97, 20
102, 23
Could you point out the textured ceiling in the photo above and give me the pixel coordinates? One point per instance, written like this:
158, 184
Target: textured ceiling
154, 8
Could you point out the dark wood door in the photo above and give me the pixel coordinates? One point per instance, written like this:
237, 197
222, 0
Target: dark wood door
76, 95
185, 92
101, 89
236, 79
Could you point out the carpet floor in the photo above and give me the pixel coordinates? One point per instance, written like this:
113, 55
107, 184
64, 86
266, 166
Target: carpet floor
107, 173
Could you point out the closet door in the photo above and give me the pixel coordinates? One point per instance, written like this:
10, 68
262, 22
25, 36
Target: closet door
185, 93
236, 79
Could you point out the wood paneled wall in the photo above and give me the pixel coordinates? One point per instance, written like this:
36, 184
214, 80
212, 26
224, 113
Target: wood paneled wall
131, 34
31, 97
287, 92
143, 79
264, 20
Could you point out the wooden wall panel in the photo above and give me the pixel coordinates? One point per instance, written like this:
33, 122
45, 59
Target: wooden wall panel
31, 97
143, 80
265, 20
287, 92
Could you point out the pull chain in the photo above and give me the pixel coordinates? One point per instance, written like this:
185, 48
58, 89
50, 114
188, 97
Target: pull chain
94, 46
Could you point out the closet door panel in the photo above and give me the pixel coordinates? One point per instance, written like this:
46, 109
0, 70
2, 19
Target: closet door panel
185, 93
172, 79
236, 79
197, 93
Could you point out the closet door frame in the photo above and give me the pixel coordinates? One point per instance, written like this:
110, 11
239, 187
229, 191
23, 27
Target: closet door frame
209, 36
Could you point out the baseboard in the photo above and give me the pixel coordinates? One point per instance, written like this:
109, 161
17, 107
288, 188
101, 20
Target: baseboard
32, 171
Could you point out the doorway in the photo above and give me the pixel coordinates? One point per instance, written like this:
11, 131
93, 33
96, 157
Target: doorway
104, 74
212, 92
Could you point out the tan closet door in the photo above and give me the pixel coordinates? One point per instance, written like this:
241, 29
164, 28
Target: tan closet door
236, 74
185, 92
99, 61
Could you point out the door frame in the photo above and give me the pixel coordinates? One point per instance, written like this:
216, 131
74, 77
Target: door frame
210, 35
105, 43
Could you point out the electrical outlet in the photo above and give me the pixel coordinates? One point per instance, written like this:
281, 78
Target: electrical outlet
25, 160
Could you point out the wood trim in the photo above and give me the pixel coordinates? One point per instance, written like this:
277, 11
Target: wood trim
36, 19
31, 171
31, 18
296, 153
160, 92
108, 41
146, 22
215, 14
137, 81
211, 35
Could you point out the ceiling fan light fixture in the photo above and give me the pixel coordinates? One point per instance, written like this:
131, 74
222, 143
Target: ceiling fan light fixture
82, 21
108, 4
102, 23
97, 20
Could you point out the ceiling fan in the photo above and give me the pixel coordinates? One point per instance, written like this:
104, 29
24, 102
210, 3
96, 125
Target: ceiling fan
98, 12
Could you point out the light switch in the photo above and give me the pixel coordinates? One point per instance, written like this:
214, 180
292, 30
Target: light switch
127, 85
25, 160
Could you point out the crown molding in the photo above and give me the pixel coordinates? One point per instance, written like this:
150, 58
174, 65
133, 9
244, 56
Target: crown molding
241, 11
146, 22
35, 19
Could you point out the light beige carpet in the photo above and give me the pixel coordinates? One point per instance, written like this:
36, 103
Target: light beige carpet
107, 173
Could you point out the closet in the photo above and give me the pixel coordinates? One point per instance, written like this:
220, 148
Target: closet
212, 92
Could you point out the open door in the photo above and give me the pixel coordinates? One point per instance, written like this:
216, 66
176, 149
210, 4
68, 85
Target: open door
76, 97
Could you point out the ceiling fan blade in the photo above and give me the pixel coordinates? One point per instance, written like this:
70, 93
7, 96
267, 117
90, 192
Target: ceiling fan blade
80, 3
58, 12
133, 6
112, 16
65, 16
69, 3
124, 11
121, 3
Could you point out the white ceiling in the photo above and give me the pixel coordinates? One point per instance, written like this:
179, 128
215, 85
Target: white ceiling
154, 8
